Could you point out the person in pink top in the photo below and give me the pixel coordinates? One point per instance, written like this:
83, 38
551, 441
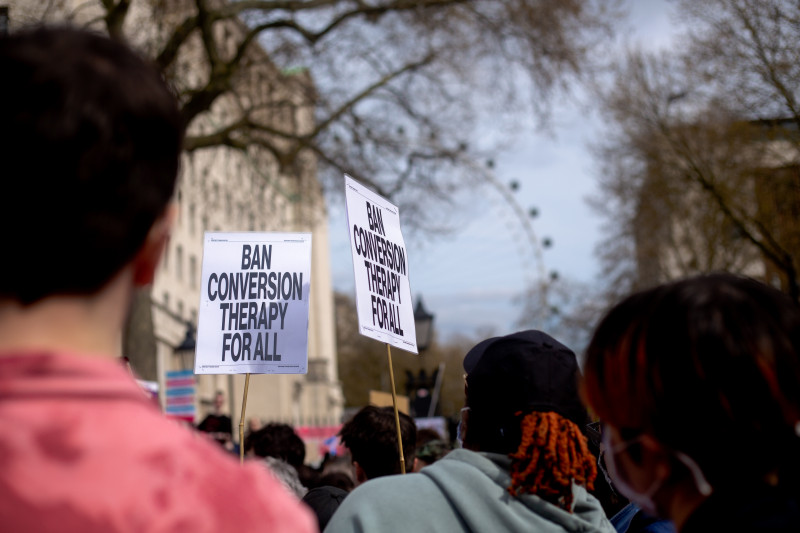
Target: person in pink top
90, 141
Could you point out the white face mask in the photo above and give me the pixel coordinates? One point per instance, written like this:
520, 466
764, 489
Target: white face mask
459, 433
645, 499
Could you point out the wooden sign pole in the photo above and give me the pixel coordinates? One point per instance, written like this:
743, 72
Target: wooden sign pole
241, 420
396, 414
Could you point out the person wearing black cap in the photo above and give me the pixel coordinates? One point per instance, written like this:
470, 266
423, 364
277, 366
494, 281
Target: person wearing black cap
525, 465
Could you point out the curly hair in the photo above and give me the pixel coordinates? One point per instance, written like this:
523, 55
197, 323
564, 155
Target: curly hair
552, 454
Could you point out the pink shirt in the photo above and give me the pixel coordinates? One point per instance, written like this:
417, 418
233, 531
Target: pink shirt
83, 449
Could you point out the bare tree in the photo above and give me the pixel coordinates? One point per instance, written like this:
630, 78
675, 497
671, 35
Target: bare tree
389, 91
747, 50
700, 164
396, 86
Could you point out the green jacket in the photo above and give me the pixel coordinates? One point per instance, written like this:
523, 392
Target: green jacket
464, 491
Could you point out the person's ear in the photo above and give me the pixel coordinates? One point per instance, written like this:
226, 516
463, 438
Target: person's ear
361, 476
146, 260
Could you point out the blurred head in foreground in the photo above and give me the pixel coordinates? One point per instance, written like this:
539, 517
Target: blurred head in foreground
698, 385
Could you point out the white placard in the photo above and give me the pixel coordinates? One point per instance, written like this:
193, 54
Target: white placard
254, 304
380, 265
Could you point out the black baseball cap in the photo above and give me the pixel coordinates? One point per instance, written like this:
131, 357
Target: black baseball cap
525, 371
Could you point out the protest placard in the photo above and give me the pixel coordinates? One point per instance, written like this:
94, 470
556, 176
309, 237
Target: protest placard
254, 304
380, 265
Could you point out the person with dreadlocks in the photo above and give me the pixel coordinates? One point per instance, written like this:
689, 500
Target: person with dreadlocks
524, 465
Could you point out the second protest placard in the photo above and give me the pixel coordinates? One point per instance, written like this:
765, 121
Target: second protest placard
380, 264
254, 304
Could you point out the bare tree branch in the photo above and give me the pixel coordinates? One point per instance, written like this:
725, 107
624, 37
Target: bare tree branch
382, 78
171, 48
115, 17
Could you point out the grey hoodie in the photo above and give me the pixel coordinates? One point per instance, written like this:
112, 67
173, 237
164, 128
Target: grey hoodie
464, 491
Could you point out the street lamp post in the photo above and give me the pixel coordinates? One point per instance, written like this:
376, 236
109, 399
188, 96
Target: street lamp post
423, 324
187, 345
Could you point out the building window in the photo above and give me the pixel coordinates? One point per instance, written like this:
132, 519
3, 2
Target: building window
166, 300
179, 262
192, 225
180, 308
192, 271
165, 259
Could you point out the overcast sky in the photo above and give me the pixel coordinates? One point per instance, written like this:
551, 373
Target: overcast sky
471, 280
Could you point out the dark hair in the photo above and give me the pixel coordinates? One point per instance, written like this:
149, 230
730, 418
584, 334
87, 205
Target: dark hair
371, 437
340, 480
278, 440
90, 144
708, 366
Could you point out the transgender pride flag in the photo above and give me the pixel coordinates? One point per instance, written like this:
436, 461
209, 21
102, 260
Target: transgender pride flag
180, 395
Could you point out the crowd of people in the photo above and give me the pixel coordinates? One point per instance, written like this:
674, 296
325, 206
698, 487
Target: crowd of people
686, 416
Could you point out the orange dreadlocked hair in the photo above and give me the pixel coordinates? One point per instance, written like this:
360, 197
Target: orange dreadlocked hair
551, 455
